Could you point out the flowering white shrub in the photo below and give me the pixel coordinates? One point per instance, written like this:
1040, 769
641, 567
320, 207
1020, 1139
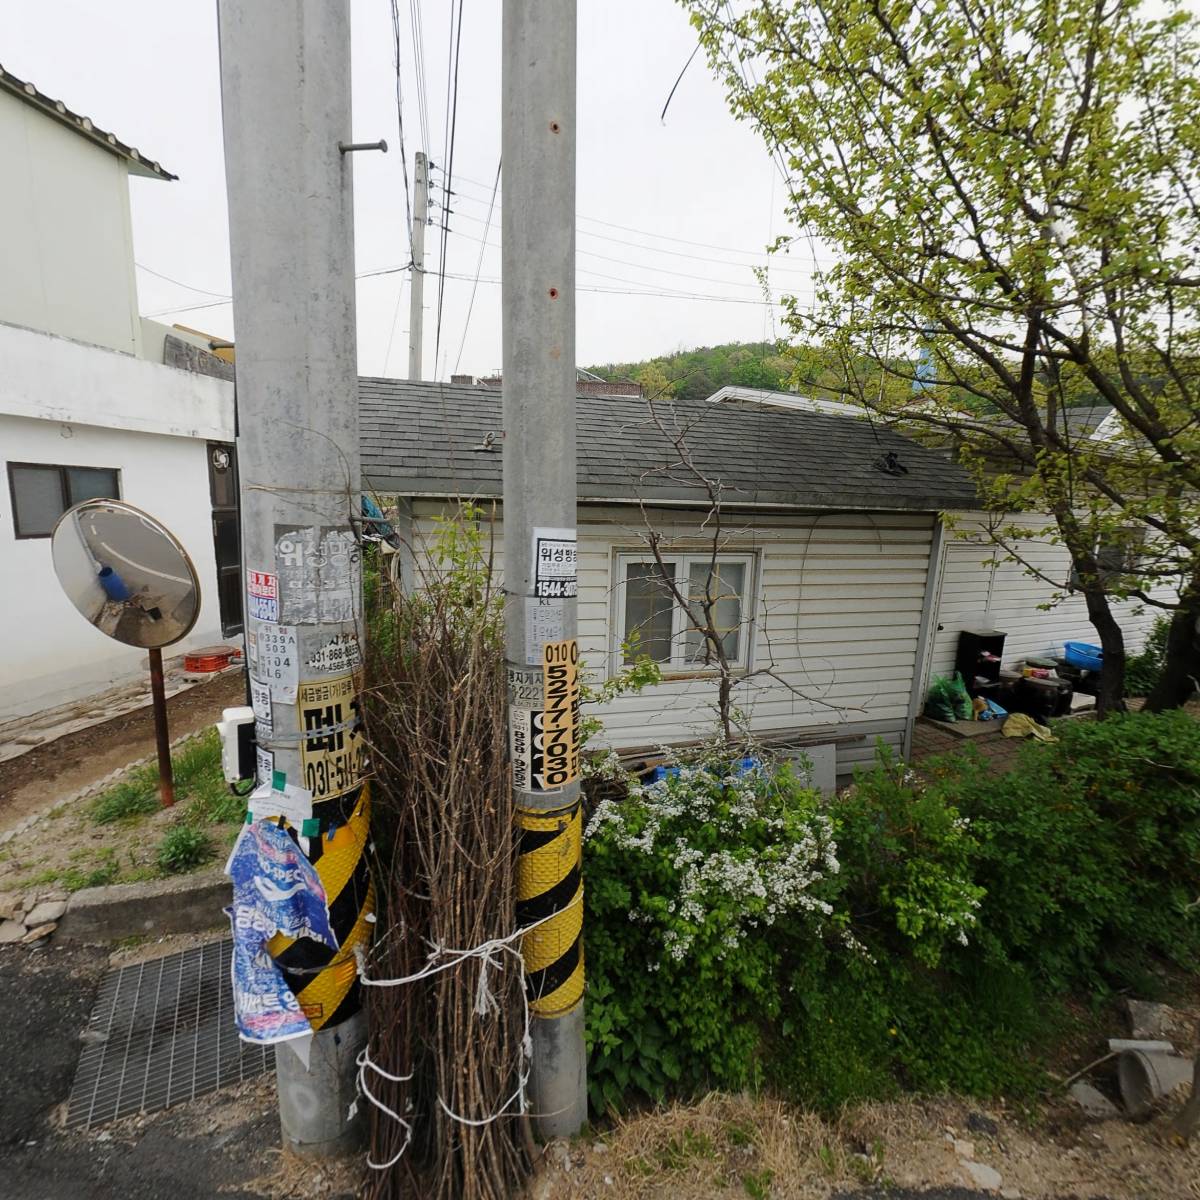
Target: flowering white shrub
689, 881
732, 851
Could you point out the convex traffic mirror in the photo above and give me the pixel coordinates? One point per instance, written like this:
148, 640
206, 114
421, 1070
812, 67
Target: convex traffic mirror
126, 573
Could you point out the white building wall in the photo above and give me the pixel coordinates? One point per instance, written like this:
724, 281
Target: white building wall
69, 404
980, 591
838, 617
66, 243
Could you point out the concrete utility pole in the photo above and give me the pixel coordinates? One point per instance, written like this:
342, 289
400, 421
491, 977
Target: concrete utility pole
538, 147
416, 300
285, 90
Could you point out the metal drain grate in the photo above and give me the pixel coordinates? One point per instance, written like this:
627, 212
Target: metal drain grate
161, 1032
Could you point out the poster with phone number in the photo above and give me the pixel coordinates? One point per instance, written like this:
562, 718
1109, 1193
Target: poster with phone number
332, 748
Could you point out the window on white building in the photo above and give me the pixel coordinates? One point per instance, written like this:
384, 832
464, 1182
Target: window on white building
651, 621
41, 493
1117, 554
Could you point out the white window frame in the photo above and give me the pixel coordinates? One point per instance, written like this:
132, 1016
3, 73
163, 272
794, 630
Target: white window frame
683, 560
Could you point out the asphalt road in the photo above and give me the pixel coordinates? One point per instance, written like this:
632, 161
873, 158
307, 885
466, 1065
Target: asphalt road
45, 998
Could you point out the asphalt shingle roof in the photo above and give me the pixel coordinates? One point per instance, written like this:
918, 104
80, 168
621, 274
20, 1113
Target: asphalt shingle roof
419, 439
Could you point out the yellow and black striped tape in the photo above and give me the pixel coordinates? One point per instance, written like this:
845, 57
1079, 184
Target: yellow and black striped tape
550, 885
339, 857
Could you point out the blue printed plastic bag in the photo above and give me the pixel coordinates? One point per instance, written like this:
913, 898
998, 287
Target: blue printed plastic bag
275, 890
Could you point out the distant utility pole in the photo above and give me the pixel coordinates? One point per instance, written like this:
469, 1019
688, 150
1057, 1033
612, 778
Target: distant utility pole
416, 299
285, 92
538, 149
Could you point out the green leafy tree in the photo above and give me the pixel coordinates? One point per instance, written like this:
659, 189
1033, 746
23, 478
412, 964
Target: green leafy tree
1012, 189
696, 374
656, 383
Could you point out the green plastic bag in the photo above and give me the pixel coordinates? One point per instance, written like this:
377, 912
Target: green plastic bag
962, 698
948, 699
940, 703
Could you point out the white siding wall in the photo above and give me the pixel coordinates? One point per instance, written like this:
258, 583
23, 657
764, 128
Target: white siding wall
53, 654
65, 403
838, 614
979, 591
66, 242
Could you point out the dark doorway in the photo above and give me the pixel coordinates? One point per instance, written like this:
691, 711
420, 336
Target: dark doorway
227, 539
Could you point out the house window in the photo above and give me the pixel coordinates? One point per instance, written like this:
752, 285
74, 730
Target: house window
41, 493
651, 621
1117, 554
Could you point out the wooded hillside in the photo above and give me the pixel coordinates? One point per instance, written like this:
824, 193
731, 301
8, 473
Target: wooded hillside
696, 374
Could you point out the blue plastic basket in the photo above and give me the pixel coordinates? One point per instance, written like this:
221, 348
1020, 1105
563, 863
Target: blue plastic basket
1083, 656
742, 767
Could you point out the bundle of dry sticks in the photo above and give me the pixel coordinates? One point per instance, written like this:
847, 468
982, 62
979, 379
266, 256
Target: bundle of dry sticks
443, 830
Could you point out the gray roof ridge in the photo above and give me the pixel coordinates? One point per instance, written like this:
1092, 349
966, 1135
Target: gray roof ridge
84, 126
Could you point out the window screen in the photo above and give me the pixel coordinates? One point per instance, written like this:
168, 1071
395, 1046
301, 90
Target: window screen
42, 492
649, 616
724, 584
90, 483
653, 622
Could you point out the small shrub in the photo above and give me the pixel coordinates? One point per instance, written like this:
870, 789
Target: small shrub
854, 1030
1089, 850
183, 849
200, 788
687, 879
1142, 670
934, 928
907, 858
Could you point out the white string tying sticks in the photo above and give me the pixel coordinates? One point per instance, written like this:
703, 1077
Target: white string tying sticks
444, 958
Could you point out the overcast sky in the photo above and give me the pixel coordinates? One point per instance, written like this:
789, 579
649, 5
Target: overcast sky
684, 206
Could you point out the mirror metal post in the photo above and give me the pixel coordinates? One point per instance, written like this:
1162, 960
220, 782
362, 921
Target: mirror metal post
158, 693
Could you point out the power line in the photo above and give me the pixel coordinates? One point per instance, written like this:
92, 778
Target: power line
179, 282
640, 267
593, 289
486, 245
642, 232
764, 257
483, 244
166, 312
395, 321
448, 172
395, 11
418, 40
609, 291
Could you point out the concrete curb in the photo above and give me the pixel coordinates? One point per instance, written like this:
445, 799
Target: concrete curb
188, 904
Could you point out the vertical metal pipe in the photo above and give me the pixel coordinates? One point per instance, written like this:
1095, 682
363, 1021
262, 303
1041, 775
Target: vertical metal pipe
538, 148
162, 737
416, 300
285, 90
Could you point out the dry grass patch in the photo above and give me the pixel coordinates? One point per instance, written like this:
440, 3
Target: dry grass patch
730, 1146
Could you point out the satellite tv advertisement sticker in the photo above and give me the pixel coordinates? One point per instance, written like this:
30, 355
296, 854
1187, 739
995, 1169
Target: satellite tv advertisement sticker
554, 563
262, 595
